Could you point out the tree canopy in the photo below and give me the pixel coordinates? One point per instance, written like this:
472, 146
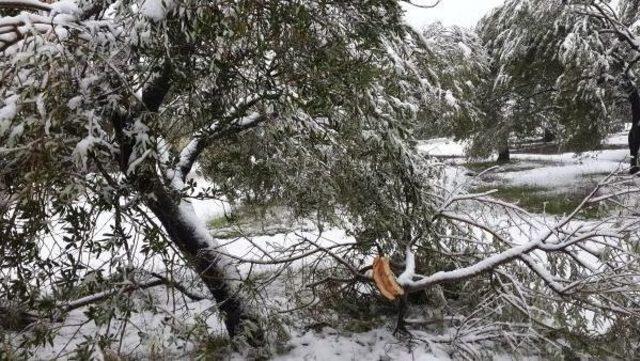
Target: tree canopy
116, 118
106, 107
561, 65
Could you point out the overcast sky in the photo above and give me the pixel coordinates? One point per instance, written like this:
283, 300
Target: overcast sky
449, 12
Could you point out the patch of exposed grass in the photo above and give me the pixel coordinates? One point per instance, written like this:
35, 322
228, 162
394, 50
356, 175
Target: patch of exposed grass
226, 220
515, 165
214, 347
537, 199
538, 148
230, 224
613, 146
479, 166
252, 220
555, 148
246, 213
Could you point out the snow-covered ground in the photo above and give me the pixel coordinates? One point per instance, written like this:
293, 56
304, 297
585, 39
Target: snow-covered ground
442, 147
377, 344
548, 170
567, 168
147, 331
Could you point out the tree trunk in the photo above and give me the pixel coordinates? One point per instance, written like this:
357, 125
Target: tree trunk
634, 133
217, 271
548, 136
504, 155
187, 231
502, 143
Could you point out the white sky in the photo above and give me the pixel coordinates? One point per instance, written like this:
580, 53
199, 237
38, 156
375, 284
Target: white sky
449, 12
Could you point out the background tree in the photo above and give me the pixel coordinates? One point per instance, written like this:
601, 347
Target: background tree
563, 66
457, 70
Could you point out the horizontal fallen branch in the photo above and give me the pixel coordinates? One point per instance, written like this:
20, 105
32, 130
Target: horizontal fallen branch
18, 320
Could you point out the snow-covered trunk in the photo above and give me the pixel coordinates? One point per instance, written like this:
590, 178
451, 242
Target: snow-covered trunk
185, 230
634, 133
217, 271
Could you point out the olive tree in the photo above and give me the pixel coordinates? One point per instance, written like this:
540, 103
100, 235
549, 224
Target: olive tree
106, 107
563, 67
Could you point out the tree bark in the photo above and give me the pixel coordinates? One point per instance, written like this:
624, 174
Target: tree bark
548, 136
183, 227
504, 155
218, 273
502, 139
634, 133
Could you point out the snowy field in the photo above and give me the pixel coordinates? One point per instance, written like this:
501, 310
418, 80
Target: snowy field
239, 180
549, 170
145, 331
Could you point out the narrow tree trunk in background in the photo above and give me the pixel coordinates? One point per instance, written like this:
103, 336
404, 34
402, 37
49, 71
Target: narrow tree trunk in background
504, 156
634, 133
217, 271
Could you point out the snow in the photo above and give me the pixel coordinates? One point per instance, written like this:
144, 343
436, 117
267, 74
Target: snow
450, 99
74, 102
156, 9
378, 344
568, 168
330, 344
150, 331
7, 113
410, 268
146, 331
466, 50
136, 162
65, 7
472, 270
441, 147
16, 131
552, 170
249, 119
618, 139
82, 149
61, 32
210, 209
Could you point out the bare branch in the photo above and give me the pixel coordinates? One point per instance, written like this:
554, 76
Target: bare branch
430, 6
34, 5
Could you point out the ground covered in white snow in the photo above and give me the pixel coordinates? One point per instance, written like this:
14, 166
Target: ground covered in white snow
147, 332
